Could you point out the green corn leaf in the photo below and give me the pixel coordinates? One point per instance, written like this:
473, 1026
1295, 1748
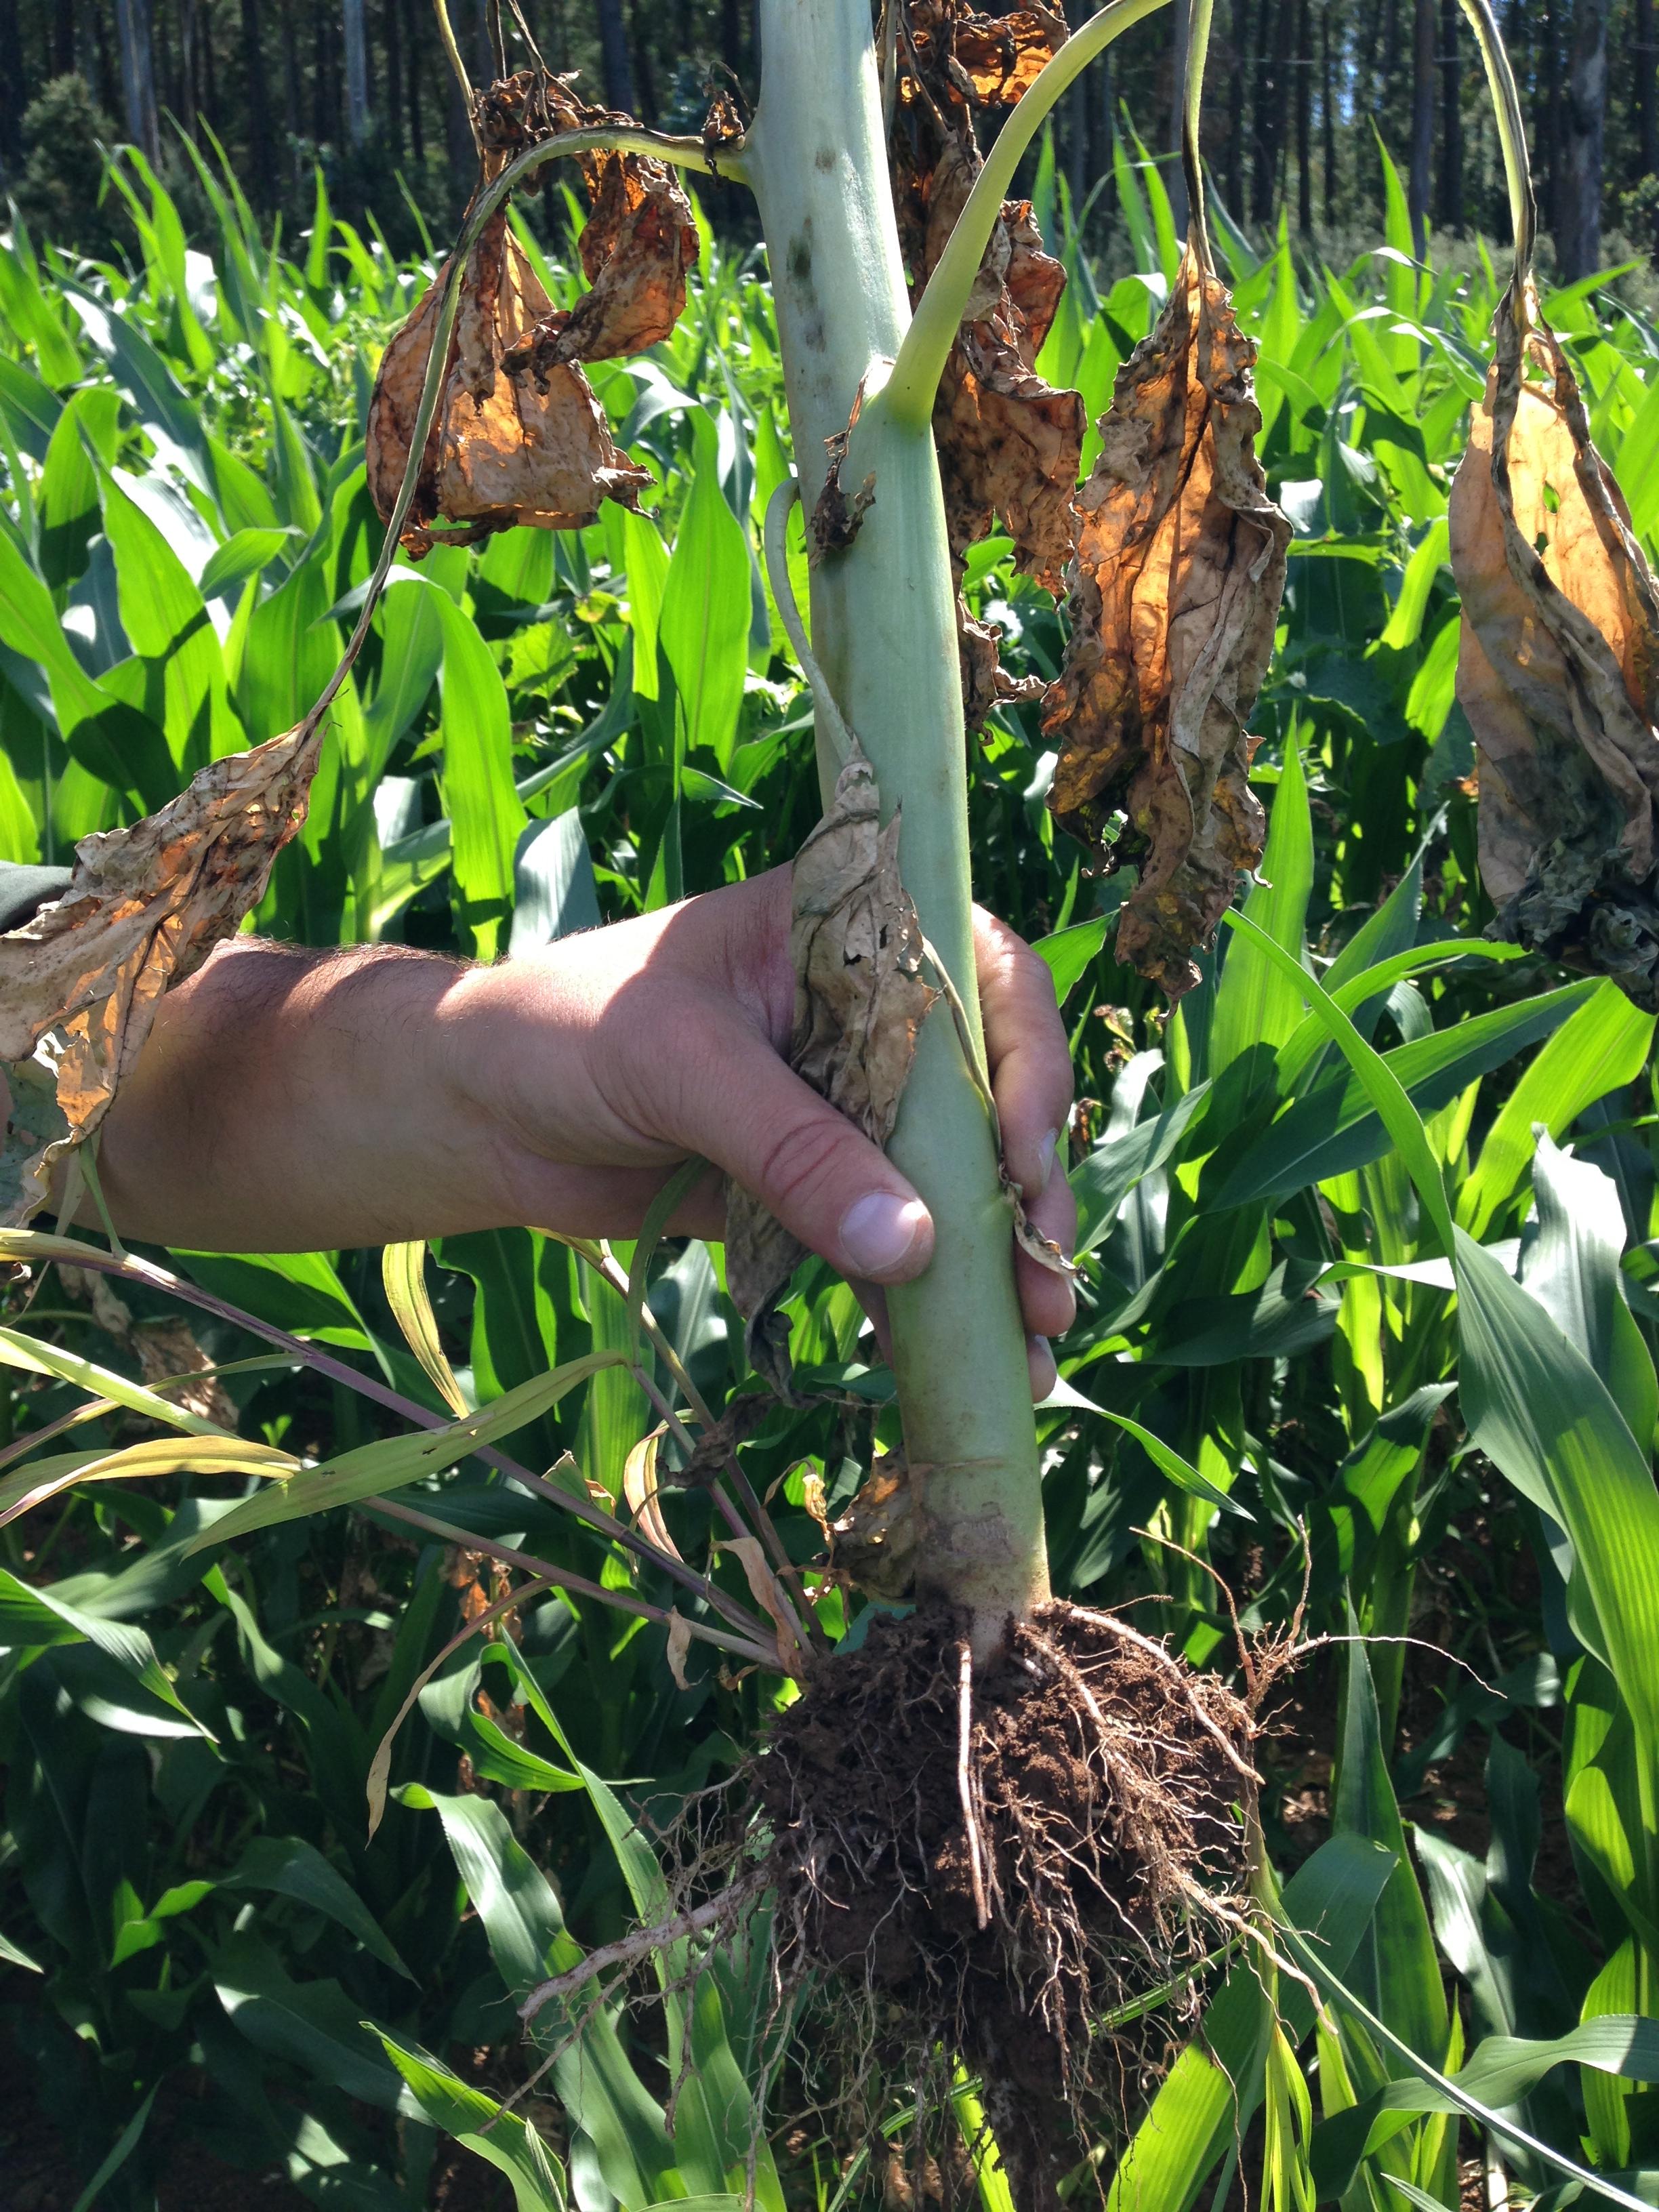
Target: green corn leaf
36, 1619
1256, 1003
703, 622
1206, 2104
486, 815
509, 2142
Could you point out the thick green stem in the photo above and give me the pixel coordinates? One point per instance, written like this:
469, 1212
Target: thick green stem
1512, 136
884, 630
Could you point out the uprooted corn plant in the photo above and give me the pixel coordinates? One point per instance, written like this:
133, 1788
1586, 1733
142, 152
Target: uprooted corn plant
994, 1845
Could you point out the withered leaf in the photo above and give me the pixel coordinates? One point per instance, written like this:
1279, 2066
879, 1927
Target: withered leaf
1174, 596
1558, 670
837, 512
640, 240
80, 983
874, 1543
859, 1003
499, 452
992, 59
1009, 444
518, 436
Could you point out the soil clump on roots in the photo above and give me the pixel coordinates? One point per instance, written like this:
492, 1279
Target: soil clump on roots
1010, 1866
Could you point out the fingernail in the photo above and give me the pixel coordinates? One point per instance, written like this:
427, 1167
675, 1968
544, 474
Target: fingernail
1045, 1151
878, 1232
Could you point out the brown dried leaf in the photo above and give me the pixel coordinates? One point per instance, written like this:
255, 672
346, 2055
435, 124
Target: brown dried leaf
763, 1589
837, 513
1558, 670
874, 1543
679, 1643
992, 59
638, 242
499, 453
80, 983
640, 1489
1174, 596
1010, 444
859, 1005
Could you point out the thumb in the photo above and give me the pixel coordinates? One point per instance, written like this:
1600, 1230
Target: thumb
808, 1164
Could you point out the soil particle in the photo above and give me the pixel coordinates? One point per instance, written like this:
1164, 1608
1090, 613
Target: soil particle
1009, 1896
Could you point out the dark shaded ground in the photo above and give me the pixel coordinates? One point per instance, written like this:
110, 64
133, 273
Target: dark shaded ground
36, 2175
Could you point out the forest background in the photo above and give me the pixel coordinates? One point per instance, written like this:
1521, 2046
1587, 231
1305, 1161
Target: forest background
364, 89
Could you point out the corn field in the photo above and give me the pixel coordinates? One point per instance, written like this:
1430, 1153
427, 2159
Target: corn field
334, 1741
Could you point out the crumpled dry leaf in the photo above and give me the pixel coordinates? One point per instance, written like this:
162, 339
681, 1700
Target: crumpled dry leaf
640, 240
859, 1005
1175, 597
640, 1489
992, 59
518, 436
1559, 672
499, 452
1010, 444
875, 1542
837, 513
80, 983
679, 1645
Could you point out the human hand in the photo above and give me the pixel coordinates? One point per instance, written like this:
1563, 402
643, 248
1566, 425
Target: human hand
600, 1062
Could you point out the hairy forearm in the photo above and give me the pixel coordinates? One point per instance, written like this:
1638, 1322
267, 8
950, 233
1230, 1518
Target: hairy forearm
289, 1101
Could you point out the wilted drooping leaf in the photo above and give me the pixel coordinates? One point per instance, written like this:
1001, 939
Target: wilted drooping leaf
500, 451
639, 243
518, 435
80, 983
1559, 672
1175, 597
859, 1003
1009, 445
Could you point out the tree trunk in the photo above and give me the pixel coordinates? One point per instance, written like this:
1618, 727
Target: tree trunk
1175, 172
1304, 68
1451, 118
356, 72
391, 32
1239, 48
617, 73
413, 77
644, 75
255, 93
1328, 110
63, 39
1578, 232
11, 92
138, 75
1547, 124
1267, 120
1422, 124
1647, 107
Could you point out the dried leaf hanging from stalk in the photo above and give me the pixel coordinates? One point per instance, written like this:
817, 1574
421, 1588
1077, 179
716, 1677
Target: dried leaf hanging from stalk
1558, 670
520, 436
859, 1003
80, 983
1175, 597
1009, 444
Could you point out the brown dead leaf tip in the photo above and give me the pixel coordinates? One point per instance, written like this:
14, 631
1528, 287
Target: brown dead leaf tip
1010, 444
856, 945
518, 435
1558, 670
80, 983
1175, 597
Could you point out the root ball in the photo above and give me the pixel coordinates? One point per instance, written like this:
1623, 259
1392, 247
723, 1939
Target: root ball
1008, 1866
